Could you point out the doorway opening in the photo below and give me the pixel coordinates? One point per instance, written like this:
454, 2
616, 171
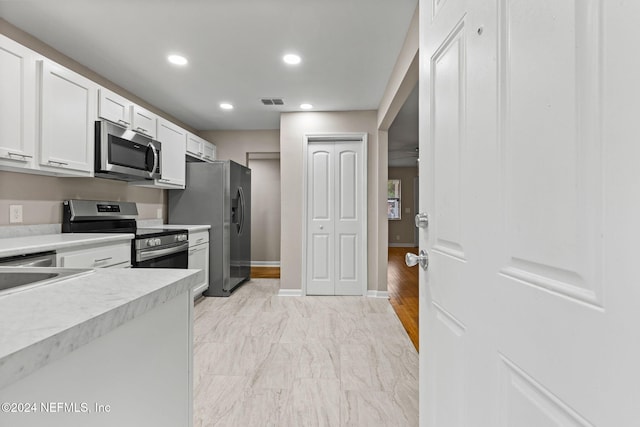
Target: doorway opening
402, 194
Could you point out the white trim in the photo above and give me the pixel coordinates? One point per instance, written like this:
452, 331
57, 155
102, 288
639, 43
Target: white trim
378, 294
290, 293
265, 263
403, 245
335, 137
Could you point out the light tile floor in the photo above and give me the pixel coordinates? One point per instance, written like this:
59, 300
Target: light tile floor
265, 360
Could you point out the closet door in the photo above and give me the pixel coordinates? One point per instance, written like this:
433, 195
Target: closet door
336, 250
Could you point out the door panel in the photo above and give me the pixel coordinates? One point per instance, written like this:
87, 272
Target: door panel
348, 186
349, 198
447, 109
348, 255
528, 123
322, 181
550, 130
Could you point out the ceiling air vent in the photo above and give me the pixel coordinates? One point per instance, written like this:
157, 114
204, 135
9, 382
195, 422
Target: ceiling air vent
272, 101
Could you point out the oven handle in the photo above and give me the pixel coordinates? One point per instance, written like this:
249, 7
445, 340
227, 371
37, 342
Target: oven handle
156, 253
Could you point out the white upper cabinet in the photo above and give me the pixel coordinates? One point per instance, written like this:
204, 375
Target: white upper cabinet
67, 113
209, 151
200, 148
114, 108
17, 105
173, 164
194, 145
143, 121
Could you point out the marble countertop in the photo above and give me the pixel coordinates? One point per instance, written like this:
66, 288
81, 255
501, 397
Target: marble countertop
43, 324
190, 228
49, 242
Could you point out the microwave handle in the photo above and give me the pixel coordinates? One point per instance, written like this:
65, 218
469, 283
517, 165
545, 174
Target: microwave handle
155, 157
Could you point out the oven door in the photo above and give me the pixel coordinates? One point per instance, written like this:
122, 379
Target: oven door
176, 256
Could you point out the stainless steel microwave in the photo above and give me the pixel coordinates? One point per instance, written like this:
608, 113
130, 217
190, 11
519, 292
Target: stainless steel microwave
124, 154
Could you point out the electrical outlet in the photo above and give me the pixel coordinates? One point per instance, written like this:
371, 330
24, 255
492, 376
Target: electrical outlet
159, 213
15, 214
397, 237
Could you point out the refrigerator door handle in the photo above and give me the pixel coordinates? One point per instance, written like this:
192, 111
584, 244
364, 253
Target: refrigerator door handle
241, 221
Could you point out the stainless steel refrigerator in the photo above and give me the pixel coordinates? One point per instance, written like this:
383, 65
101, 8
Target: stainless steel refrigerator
218, 194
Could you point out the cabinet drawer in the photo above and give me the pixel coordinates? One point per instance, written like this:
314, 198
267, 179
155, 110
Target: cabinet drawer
97, 257
198, 238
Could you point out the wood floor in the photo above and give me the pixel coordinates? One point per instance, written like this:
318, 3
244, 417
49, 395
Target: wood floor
402, 287
265, 360
265, 272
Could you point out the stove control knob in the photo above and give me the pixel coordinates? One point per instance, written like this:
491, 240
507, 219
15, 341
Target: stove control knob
150, 242
182, 237
157, 242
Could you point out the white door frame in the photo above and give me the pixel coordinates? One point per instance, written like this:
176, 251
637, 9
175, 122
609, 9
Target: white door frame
310, 138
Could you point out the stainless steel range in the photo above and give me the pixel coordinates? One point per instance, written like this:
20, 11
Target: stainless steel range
151, 248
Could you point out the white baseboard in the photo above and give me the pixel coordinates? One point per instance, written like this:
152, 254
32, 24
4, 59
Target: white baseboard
378, 294
265, 263
290, 293
403, 245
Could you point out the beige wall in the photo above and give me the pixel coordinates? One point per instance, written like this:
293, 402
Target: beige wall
265, 211
235, 144
42, 196
293, 127
403, 231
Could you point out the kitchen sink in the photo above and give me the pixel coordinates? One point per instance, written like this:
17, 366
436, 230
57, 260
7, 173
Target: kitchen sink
16, 279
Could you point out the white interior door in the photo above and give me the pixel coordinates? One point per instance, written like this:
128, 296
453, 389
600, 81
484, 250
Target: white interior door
336, 218
529, 308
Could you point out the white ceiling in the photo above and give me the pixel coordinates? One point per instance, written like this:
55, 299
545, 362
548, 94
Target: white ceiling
403, 134
234, 48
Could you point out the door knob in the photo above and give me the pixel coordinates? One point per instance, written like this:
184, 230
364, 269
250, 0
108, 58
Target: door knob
422, 220
413, 259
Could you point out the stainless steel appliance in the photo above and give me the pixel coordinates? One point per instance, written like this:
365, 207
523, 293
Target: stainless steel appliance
40, 259
124, 154
151, 248
218, 194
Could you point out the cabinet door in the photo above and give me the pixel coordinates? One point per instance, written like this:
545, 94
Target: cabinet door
143, 121
68, 110
194, 145
199, 259
209, 151
17, 105
114, 107
173, 141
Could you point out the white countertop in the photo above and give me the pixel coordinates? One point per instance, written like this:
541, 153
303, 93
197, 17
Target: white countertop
49, 242
43, 324
190, 228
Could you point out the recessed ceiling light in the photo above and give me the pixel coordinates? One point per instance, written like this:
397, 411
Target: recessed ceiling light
226, 106
291, 59
306, 106
177, 59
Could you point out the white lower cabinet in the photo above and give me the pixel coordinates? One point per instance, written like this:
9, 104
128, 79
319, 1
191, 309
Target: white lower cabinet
112, 255
199, 258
